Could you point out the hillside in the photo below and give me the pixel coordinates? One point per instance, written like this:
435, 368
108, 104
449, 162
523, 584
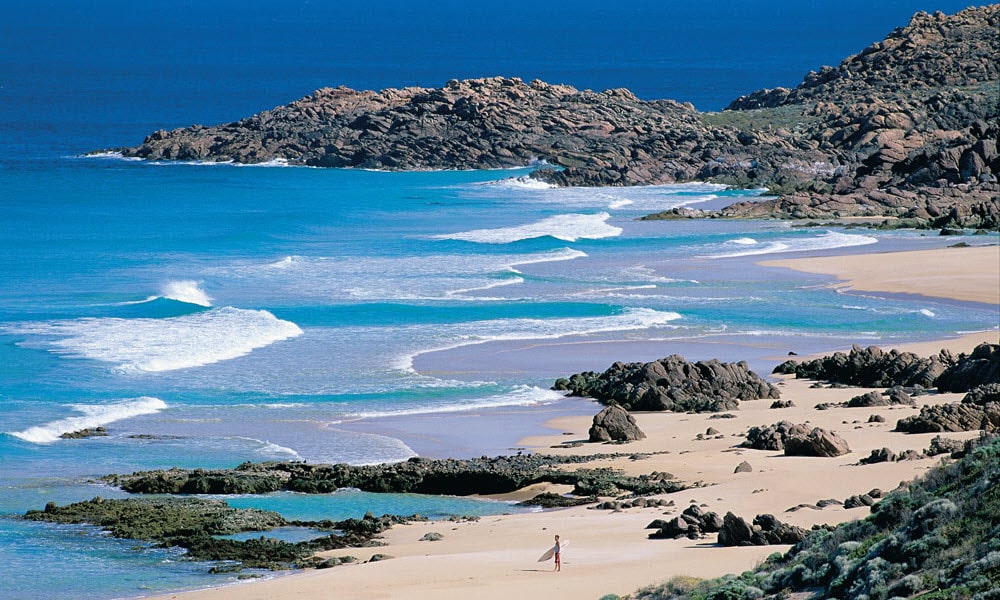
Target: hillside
935, 538
905, 128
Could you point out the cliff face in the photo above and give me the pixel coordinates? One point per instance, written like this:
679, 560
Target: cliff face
907, 127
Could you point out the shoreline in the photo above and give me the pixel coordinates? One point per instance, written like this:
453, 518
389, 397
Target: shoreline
494, 557
949, 273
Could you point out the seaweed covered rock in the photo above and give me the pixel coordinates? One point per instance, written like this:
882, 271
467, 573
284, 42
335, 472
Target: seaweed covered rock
485, 475
195, 524
615, 424
872, 367
672, 384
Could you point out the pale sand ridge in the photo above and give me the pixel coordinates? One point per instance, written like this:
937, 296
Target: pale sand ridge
971, 274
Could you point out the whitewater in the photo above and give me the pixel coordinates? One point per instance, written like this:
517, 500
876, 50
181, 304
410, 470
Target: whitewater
203, 315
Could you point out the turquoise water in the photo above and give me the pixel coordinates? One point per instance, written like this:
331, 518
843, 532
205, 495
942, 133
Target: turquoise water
212, 314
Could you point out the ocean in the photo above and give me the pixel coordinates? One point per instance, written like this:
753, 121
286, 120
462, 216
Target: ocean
211, 314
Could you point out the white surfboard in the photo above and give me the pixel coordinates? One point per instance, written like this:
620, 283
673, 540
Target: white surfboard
552, 551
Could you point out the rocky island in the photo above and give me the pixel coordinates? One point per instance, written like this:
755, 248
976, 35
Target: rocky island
905, 129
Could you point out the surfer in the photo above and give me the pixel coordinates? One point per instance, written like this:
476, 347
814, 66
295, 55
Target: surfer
557, 553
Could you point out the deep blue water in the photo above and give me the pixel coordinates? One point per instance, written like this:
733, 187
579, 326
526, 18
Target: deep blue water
251, 313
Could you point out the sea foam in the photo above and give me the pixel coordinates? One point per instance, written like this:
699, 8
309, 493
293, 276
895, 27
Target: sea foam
152, 345
518, 395
186, 291
826, 241
498, 330
93, 415
569, 228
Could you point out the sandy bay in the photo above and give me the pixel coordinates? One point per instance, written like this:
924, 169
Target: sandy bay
609, 551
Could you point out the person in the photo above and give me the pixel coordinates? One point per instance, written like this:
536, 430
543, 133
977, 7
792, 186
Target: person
558, 555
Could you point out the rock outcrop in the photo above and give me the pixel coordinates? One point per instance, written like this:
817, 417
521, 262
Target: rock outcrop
872, 367
906, 128
614, 424
673, 384
484, 475
981, 367
979, 409
195, 524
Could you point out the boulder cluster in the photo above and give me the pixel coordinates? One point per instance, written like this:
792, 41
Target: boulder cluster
693, 524
764, 531
672, 384
796, 440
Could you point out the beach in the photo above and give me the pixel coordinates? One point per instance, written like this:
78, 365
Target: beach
608, 551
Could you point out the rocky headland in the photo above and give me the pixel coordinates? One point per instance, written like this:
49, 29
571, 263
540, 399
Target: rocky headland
905, 130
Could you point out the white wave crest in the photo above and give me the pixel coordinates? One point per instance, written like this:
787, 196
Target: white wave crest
431, 277
826, 241
272, 450
519, 395
927, 312
162, 344
93, 415
473, 333
569, 228
186, 291
744, 241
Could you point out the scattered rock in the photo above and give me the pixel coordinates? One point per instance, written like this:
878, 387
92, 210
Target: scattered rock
431, 536
782, 404
743, 467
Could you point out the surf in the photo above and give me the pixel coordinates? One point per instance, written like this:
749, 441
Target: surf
92, 416
155, 345
568, 228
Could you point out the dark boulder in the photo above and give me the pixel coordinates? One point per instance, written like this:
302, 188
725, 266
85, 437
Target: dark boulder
614, 423
982, 367
818, 442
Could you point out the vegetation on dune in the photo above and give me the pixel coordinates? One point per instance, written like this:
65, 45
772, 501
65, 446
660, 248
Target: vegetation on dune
937, 537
